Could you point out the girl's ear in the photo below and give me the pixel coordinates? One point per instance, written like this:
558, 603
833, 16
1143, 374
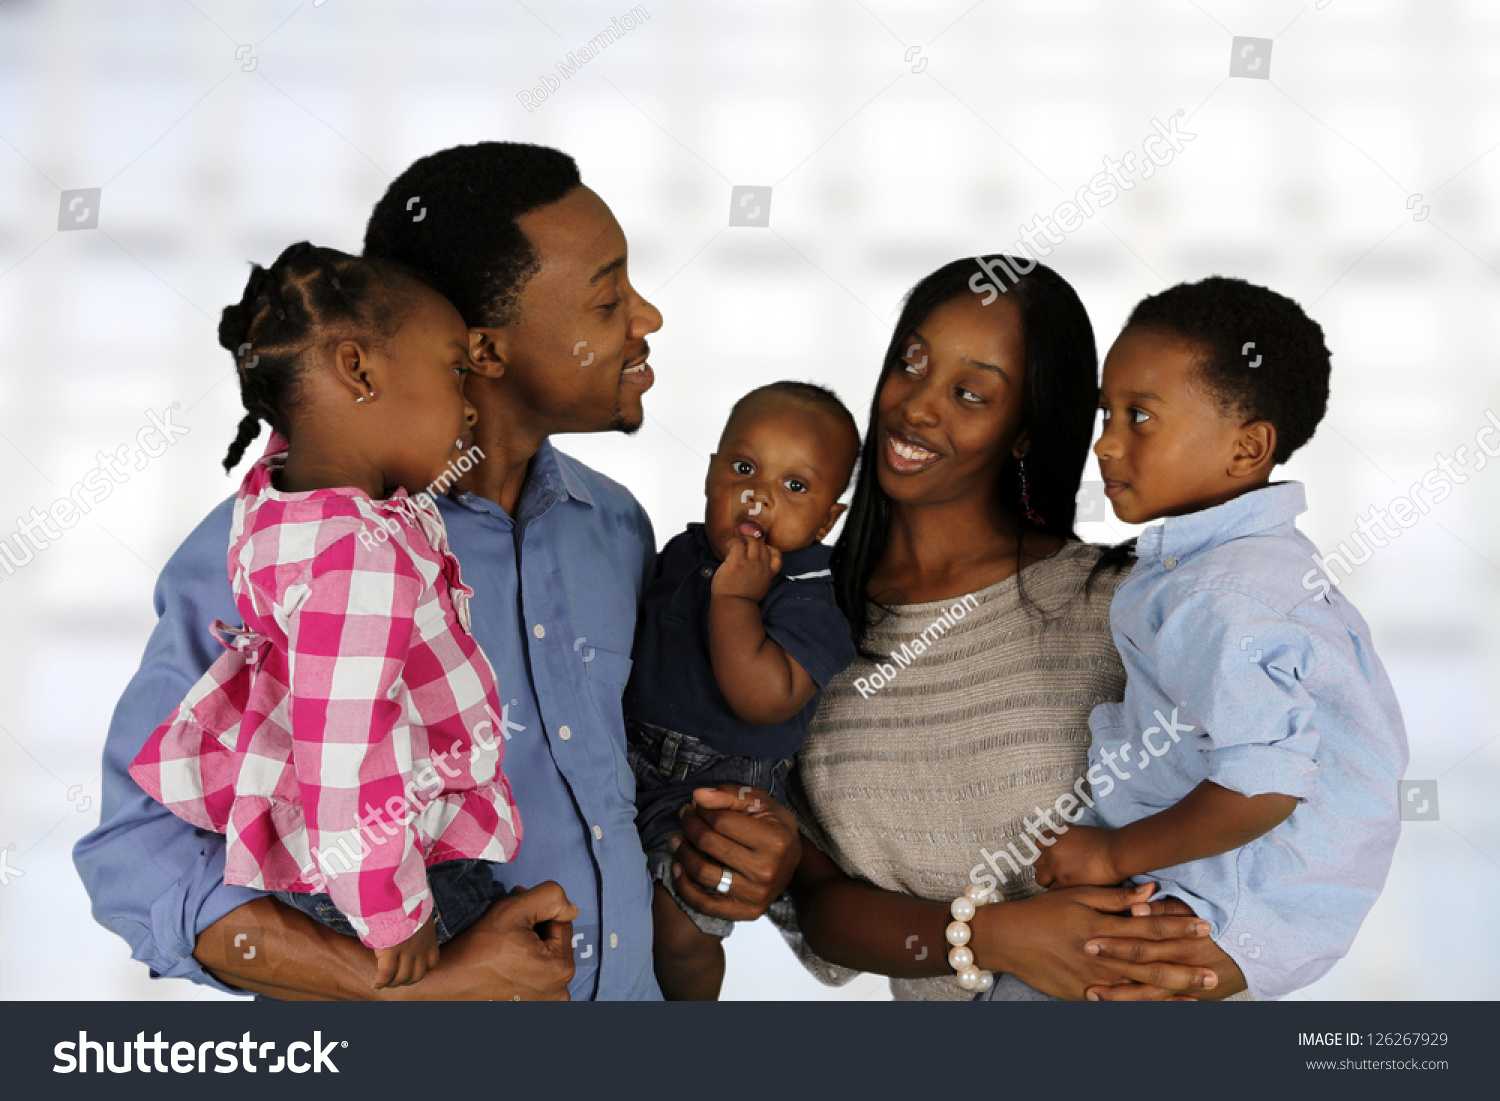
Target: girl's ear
355, 371
487, 351
1254, 451
833, 518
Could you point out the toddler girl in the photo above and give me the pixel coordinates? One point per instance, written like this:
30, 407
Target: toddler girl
345, 741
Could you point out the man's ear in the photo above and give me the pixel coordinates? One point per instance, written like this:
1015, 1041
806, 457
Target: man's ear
487, 351
355, 371
833, 518
1254, 451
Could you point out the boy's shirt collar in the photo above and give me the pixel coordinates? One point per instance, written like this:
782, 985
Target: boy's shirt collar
804, 564
1179, 537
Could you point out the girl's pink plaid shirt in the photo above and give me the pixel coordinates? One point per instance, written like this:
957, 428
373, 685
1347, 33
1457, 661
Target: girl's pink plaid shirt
352, 733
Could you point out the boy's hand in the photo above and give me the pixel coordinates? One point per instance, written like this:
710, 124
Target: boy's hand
1078, 858
410, 960
748, 570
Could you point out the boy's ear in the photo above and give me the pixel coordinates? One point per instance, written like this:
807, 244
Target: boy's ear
833, 518
355, 371
1254, 450
487, 351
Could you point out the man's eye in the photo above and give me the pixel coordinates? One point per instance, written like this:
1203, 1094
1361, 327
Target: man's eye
741, 467
795, 485
609, 307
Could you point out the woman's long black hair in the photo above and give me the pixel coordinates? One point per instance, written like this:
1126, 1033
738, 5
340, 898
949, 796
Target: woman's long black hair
1061, 396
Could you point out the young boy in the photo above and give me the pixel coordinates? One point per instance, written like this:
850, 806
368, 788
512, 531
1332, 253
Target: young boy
739, 633
1251, 770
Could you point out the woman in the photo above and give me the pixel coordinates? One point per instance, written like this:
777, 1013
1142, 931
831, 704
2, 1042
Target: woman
983, 626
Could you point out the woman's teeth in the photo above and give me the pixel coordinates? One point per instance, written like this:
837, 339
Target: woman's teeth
910, 451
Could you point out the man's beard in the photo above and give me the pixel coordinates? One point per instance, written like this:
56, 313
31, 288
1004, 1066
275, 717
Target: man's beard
619, 423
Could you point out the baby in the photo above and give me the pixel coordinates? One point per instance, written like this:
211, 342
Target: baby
1251, 770
739, 633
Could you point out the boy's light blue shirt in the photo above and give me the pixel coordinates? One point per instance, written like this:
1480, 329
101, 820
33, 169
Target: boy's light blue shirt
555, 596
1240, 675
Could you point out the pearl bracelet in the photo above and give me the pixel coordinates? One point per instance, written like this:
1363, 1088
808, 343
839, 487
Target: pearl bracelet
960, 956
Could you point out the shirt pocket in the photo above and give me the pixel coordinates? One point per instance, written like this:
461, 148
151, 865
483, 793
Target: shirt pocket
607, 674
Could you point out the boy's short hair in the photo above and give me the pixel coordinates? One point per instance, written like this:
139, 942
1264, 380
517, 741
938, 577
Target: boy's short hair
1263, 357
809, 393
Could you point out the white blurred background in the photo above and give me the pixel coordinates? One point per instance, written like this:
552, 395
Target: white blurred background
895, 135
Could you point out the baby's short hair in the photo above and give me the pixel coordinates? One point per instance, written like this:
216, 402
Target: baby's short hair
1263, 357
809, 393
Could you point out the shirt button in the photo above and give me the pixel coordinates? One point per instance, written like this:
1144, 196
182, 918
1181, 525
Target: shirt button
614, 940
1170, 563
539, 631
705, 570
564, 733
598, 834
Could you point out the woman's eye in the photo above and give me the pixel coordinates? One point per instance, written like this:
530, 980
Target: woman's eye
742, 468
795, 485
969, 396
1139, 416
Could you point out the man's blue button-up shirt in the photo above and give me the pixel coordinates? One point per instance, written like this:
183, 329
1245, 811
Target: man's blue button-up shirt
556, 594
1240, 675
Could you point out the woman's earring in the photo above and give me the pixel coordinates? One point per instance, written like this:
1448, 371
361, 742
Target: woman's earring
1031, 514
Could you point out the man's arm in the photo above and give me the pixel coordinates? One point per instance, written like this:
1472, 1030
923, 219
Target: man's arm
521, 950
153, 878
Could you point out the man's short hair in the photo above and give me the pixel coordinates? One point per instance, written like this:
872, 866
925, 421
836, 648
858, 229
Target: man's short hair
452, 216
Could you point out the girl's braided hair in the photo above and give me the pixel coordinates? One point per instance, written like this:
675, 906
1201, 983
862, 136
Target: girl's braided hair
307, 297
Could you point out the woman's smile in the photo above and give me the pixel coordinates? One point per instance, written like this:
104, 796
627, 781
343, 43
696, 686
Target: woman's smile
904, 455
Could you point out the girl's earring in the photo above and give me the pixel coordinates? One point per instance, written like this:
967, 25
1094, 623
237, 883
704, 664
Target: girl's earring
1031, 514
372, 398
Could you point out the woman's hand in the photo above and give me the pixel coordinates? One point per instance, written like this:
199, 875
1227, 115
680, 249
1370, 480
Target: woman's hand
1043, 941
1198, 951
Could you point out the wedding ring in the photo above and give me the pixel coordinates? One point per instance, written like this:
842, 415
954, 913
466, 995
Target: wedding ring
724, 881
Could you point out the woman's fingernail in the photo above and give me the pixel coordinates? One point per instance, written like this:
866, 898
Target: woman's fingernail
1091, 949
674, 844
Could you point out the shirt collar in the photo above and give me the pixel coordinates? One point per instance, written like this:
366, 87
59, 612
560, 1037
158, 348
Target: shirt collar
1179, 537
549, 479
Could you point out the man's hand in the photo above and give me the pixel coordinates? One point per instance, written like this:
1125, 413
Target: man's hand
1078, 858
520, 949
748, 570
741, 828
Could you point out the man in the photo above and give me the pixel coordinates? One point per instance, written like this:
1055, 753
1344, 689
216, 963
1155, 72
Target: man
557, 555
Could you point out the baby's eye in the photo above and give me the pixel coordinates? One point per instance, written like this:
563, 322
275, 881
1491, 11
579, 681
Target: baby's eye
1105, 413
742, 468
1139, 416
796, 485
